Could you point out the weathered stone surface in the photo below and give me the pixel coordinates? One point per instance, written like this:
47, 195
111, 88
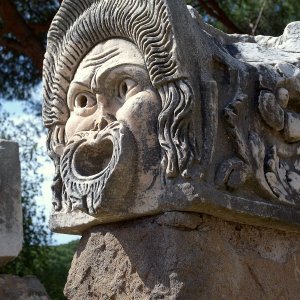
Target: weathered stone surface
21, 288
146, 259
11, 230
150, 110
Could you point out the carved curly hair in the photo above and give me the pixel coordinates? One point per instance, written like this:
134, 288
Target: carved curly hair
80, 25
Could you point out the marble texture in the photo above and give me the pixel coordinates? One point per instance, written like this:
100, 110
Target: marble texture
150, 110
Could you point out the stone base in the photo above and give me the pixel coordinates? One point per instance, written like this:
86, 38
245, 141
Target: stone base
21, 288
11, 224
185, 256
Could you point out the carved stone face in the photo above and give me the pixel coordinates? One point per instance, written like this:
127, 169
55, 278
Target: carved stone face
111, 133
164, 118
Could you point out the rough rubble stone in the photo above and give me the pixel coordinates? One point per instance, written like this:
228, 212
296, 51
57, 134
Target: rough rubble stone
11, 228
21, 288
145, 259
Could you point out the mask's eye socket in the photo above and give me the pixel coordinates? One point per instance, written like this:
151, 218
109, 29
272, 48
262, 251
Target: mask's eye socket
127, 88
85, 104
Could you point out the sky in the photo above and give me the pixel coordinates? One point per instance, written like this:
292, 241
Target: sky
15, 109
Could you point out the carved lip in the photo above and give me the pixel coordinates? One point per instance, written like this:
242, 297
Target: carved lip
91, 154
97, 167
92, 157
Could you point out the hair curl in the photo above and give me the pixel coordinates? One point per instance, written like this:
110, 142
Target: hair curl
80, 25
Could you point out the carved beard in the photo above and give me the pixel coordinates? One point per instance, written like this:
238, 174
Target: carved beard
97, 167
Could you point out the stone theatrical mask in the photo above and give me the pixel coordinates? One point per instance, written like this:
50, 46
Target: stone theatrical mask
108, 138
150, 110
111, 106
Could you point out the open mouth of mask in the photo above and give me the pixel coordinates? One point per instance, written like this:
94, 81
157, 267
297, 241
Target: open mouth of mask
98, 167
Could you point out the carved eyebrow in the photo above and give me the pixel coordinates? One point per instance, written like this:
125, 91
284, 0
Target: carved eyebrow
99, 59
105, 73
78, 83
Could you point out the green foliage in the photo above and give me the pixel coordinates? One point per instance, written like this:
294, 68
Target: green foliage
33, 257
50, 264
17, 73
58, 264
36, 11
276, 14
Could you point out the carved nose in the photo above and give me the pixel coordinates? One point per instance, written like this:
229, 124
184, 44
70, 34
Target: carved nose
104, 121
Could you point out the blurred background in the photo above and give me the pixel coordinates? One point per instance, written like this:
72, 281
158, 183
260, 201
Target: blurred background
23, 30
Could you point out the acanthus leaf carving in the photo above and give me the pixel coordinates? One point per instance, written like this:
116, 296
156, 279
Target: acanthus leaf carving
283, 178
270, 110
258, 159
234, 172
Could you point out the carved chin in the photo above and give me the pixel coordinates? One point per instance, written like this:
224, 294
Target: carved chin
98, 167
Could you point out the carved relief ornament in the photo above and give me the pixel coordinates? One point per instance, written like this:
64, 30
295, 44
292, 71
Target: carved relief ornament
134, 93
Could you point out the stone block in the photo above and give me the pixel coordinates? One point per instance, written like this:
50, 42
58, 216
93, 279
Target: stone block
151, 110
21, 288
154, 259
11, 228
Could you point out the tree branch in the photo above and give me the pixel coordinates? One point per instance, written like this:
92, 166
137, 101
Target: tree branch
225, 19
38, 28
259, 17
13, 45
212, 8
2, 31
29, 43
210, 11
